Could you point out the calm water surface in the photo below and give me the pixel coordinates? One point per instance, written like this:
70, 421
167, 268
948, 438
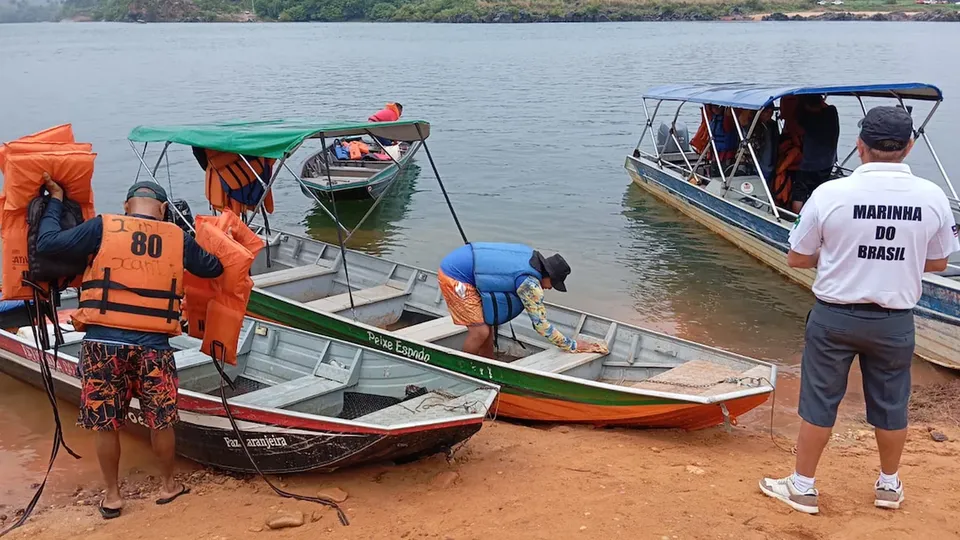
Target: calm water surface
530, 127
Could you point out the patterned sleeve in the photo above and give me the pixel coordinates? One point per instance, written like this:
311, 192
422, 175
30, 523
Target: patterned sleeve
531, 294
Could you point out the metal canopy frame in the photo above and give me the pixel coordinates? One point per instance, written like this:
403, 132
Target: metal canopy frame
746, 146
250, 216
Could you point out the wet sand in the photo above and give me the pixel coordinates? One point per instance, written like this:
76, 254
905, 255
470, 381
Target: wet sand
513, 481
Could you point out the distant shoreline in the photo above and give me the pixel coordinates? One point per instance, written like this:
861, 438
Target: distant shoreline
507, 17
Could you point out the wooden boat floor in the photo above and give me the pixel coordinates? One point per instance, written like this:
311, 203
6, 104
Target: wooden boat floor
696, 377
361, 297
430, 406
289, 275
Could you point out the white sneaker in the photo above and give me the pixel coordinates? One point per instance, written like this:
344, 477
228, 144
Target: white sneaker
784, 490
888, 497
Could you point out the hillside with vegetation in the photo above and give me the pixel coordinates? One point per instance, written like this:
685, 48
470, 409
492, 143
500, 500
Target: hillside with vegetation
157, 10
476, 11
14, 11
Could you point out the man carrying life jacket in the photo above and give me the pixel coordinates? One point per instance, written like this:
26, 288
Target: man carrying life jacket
391, 112
489, 284
129, 307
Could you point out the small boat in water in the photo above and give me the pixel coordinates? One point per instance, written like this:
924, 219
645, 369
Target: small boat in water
324, 173
737, 202
648, 379
302, 402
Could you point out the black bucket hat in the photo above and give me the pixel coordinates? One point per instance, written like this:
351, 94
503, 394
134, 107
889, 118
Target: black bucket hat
557, 270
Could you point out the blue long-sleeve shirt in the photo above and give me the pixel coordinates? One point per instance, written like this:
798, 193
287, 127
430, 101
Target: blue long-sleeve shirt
83, 242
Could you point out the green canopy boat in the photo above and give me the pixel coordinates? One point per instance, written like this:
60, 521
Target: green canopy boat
647, 379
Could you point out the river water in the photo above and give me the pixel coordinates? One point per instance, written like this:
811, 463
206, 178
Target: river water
530, 124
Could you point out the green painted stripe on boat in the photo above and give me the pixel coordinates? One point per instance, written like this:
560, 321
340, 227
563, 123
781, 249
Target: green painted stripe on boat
512, 381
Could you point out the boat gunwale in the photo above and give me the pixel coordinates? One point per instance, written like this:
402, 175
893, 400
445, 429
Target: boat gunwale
491, 388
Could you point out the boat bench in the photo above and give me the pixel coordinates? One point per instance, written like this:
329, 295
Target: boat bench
289, 275
289, 393
189, 358
430, 331
359, 172
361, 297
554, 360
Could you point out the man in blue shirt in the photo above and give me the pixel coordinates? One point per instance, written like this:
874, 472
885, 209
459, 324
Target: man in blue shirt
118, 361
488, 284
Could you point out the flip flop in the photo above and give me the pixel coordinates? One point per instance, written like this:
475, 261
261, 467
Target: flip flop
167, 500
109, 513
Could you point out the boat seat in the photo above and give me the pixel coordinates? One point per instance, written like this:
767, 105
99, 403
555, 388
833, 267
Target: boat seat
358, 172
289, 275
554, 360
361, 297
289, 393
190, 358
430, 331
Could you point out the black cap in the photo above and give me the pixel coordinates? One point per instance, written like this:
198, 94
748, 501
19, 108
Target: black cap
147, 189
557, 270
888, 129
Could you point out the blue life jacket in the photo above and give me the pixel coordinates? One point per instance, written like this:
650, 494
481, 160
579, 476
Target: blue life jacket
726, 141
340, 151
498, 268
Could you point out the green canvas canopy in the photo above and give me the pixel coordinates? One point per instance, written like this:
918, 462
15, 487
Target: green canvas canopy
273, 138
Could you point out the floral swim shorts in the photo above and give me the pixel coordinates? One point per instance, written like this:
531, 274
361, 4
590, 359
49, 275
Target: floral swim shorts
113, 374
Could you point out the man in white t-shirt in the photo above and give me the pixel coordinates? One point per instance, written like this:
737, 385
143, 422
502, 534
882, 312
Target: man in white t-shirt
870, 236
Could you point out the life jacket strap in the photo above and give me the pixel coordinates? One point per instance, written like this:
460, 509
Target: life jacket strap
104, 304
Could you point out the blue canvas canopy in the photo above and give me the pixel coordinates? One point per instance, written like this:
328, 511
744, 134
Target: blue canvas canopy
757, 96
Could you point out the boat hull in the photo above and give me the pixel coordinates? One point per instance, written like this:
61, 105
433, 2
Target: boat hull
279, 444
524, 394
937, 315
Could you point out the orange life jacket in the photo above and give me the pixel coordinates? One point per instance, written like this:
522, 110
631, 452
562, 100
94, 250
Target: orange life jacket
57, 134
789, 153
215, 307
23, 166
135, 281
225, 167
358, 149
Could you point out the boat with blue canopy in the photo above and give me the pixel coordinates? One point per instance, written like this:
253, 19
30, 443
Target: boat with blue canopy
723, 178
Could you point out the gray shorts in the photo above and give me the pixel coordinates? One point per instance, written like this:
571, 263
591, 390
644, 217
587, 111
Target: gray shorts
885, 342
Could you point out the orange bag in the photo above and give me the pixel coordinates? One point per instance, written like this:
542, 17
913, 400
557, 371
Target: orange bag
216, 307
23, 180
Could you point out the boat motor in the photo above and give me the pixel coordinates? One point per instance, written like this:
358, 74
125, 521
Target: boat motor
666, 144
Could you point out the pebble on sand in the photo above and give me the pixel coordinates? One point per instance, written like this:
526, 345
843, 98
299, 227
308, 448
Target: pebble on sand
334, 494
693, 469
938, 436
285, 520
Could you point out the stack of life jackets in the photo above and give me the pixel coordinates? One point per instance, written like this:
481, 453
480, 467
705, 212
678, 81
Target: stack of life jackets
22, 163
232, 184
214, 308
389, 113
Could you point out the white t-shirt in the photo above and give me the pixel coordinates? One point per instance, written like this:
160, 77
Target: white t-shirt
875, 229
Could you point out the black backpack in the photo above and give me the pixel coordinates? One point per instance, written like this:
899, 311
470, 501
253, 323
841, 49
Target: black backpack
53, 269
